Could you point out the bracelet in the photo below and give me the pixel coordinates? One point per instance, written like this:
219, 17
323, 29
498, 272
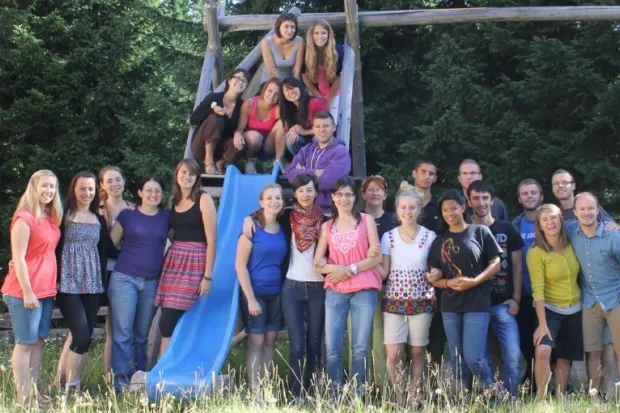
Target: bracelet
207, 278
518, 303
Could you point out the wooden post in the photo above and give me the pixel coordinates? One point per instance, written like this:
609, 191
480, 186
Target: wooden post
215, 43
358, 144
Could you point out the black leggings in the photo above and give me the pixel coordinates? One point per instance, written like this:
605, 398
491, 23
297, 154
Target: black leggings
168, 321
80, 312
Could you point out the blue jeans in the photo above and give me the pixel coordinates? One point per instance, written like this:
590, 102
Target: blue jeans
303, 299
337, 306
506, 331
467, 338
132, 299
29, 325
302, 141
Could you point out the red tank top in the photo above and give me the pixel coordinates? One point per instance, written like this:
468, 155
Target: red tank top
261, 126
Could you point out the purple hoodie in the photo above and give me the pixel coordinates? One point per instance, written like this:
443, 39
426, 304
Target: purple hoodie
333, 159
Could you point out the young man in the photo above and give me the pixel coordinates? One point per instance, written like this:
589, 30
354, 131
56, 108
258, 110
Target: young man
598, 252
326, 157
563, 186
424, 176
469, 171
505, 286
530, 197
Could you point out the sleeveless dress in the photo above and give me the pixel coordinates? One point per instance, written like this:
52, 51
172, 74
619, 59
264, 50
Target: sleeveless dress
284, 67
185, 261
81, 268
261, 126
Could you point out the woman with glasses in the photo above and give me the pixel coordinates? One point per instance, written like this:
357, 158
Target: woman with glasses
215, 121
133, 284
351, 280
283, 51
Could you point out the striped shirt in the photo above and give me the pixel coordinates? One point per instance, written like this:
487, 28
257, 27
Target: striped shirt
599, 257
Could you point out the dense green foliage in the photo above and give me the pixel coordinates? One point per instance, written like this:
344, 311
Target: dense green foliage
89, 83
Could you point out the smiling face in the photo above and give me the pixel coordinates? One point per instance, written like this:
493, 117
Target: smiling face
425, 176
344, 199
151, 194
586, 210
292, 94
323, 129
452, 212
563, 186
374, 195
113, 183
271, 202
287, 29
85, 189
305, 195
481, 203
238, 82
271, 95
530, 197
320, 35
550, 223
46, 189
408, 210
185, 178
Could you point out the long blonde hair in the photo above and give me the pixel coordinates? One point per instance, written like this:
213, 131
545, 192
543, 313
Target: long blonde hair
541, 239
330, 55
30, 199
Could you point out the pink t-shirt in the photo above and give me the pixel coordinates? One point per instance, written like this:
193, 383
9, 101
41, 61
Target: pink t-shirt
315, 105
346, 248
40, 257
325, 88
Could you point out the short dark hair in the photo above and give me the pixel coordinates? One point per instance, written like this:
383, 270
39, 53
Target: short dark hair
480, 186
285, 17
148, 179
244, 72
305, 179
347, 182
324, 115
421, 162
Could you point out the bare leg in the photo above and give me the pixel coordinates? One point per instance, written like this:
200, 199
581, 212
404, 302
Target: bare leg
280, 140
270, 141
254, 359
61, 370
254, 141
163, 345
210, 167
20, 362
542, 369
74, 366
269, 346
36, 357
416, 372
562, 375
593, 366
608, 359
395, 369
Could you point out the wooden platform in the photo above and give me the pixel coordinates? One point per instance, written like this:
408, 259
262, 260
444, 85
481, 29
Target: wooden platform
213, 185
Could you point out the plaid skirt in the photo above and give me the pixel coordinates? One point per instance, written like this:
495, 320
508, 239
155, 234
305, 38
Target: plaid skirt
184, 267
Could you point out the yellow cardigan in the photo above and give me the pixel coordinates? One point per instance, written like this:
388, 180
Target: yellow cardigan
554, 276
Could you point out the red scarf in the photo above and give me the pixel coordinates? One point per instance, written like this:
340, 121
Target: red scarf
306, 225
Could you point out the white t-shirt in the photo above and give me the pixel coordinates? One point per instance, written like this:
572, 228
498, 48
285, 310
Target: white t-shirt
407, 291
300, 266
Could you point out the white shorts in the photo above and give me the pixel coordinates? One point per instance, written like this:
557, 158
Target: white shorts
410, 329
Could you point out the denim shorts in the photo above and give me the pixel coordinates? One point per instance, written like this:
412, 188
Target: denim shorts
29, 325
270, 318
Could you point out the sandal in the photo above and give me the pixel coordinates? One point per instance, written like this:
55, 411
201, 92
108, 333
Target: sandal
211, 169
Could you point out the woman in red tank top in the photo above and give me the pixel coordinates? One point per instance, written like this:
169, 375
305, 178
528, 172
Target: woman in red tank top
255, 130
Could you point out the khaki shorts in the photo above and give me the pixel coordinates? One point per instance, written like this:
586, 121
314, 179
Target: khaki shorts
593, 321
410, 329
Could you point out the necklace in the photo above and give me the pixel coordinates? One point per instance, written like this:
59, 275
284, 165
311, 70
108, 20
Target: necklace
412, 236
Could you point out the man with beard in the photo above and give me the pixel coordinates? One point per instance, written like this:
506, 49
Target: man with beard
469, 171
505, 286
563, 187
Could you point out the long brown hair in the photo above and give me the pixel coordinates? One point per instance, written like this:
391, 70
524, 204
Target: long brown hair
103, 194
541, 239
258, 216
329, 54
71, 204
176, 195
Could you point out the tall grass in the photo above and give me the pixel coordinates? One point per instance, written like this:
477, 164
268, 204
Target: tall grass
273, 395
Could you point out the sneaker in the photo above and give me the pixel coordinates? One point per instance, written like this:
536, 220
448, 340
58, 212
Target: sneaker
250, 166
283, 166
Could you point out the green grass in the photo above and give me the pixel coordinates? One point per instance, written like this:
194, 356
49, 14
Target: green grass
98, 397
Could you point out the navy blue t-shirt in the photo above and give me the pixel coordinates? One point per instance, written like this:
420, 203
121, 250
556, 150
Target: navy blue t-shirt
266, 260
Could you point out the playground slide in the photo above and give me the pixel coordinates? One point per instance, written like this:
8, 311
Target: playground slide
201, 340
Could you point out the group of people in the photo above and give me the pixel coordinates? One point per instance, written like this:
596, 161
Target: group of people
299, 80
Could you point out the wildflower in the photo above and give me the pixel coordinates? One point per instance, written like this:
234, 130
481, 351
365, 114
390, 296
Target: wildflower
438, 392
3, 369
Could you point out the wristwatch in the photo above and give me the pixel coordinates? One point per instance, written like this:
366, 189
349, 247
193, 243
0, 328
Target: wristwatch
353, 268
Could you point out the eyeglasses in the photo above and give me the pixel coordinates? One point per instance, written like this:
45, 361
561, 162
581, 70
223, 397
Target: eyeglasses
470, 173
241, 80
347, 195
374, 190
561, 183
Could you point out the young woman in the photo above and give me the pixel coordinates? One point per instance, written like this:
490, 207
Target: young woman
409, 299
323, 64
30, 285
255, 130
133, 283
352, 281
188, 266
215, 121
81, 256
111, 203
259, 263
283, 52
468, 256
554, 270
297, 111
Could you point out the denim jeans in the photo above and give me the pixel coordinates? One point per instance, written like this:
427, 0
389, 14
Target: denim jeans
132, 299
302, 141
506, 331
301, 299
467, 339
337, 306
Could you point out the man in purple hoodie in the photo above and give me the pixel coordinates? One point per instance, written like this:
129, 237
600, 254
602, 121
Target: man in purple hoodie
326, 157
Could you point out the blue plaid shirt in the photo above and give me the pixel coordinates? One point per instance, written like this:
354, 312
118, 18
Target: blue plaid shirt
599, 258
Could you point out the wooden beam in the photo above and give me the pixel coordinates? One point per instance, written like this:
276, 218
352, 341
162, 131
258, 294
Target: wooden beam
346, 95
432, 16
210, 11
358, 144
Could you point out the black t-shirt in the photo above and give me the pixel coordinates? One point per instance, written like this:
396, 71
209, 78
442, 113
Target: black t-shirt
428, 216
509, 240
465, 254
385, 223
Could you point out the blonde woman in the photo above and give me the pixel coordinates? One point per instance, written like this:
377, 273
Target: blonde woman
323, 64
30, 286
554, 270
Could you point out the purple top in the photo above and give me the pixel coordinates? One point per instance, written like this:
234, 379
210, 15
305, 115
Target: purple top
144, 241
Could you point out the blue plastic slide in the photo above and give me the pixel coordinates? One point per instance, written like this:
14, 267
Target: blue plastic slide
201, 340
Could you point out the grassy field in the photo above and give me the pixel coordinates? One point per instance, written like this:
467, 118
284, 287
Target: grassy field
98, 397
